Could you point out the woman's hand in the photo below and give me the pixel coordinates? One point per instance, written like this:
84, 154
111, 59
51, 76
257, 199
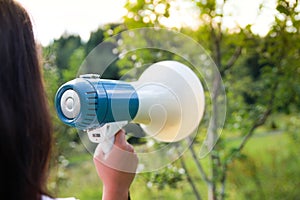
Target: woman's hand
117, 168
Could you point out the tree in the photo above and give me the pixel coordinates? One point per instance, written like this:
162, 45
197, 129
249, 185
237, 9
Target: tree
261, 75
274, 60
146, 13
260, 84
64, 48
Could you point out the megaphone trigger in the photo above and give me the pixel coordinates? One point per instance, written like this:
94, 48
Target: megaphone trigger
105, 135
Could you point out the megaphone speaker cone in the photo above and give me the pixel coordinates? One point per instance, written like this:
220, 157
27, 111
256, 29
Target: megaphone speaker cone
171, 101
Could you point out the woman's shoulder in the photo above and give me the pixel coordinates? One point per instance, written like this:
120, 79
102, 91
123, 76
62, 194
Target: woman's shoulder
48, 198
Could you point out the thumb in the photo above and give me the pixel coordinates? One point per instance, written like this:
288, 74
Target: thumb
120, 138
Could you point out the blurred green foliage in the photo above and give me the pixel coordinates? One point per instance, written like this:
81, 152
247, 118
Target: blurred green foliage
257, 72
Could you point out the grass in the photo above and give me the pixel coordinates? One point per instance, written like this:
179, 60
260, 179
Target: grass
270, 171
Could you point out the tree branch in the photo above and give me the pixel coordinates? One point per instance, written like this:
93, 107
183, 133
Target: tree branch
198, 164
223, 182
233, 59
190, 180
259, 122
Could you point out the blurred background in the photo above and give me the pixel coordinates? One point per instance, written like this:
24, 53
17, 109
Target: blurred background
256, 47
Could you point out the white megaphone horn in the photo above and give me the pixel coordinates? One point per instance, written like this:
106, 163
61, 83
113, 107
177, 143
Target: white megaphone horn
167, 101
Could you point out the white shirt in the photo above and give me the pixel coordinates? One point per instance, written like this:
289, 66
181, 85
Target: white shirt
48, 198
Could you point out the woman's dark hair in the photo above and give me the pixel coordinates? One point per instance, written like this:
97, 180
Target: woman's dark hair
25, 128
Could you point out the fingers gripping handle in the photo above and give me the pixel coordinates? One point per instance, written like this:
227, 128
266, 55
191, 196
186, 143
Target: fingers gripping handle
105, 135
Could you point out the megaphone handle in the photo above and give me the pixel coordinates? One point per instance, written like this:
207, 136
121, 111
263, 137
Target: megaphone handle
105, 135
107, 145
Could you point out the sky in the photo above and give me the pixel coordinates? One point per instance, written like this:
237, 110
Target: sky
52, 18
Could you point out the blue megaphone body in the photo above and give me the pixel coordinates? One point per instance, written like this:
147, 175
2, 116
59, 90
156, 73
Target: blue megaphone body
87, 102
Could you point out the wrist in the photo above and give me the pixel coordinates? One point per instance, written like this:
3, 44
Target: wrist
113, 193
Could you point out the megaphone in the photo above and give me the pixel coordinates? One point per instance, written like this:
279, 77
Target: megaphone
167, 101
